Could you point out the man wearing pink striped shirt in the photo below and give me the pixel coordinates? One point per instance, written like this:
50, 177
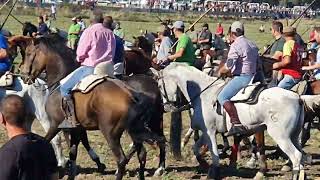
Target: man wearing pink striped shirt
96, 45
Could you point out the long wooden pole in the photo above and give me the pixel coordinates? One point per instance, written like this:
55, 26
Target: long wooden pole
5, 20
16, 19
4, 5
193, 24
303, 12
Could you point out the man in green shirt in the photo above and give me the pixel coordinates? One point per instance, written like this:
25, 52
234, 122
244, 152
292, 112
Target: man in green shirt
184, 48
73, 34
118, 30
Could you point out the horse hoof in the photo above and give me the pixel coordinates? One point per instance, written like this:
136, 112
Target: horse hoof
259, 176
286, 168
214, 173
159, 171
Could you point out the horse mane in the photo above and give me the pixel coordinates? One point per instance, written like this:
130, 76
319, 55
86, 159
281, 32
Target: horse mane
199, 74
53, 43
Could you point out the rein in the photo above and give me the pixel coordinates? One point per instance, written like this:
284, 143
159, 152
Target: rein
187, 105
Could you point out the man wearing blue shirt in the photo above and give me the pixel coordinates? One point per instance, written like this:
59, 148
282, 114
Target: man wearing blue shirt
5, 63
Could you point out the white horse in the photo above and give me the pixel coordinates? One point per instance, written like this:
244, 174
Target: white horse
280, 110
35, 96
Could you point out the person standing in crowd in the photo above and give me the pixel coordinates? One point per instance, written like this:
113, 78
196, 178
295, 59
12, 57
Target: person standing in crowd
25, 155
47, 21
118, 58
316, 65
242, 63
165, 45
73, 34
81, 23
184, 49
194, 37
54, 11
290, 65
219, 30
205, 38
42, 29
276, 50
312, 39
5, 63
96, 45
118, 30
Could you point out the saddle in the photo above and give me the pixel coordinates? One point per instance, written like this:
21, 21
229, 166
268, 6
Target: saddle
300, 88
6, 80
247, 95
88, 83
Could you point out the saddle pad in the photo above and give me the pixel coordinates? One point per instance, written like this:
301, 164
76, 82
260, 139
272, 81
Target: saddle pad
245, 93
89, 82
300, 88
6, 80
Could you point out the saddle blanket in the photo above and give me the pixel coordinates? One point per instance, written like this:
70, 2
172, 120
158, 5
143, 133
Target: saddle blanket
89, 82
249, 93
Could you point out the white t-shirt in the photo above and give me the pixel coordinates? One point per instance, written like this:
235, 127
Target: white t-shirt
53, 9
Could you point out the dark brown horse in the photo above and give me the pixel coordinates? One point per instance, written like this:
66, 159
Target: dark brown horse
118, 110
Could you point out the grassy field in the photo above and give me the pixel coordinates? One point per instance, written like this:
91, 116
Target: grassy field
187, 167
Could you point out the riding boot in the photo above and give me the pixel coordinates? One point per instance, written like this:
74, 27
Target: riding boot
69, 112
237, 128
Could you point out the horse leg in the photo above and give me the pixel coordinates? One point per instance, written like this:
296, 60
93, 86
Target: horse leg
162, 161
196, 150
234, 151
259, 136
74, 143
113, 135
226, 145
214, 170
93, 155
187, 137
287, 146
142, 154
56, 143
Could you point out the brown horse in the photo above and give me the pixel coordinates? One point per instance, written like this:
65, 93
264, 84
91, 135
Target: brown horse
120, 108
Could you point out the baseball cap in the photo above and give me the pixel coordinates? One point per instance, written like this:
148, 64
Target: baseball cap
237, 25
74, 18
178, 24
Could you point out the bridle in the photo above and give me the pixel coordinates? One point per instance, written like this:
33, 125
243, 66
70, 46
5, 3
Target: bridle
186, 105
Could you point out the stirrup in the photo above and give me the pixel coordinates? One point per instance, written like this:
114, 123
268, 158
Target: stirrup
237, 130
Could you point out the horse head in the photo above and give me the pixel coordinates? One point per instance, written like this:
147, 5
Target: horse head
17, 41
168, 86
143, 43
28, 29
47, 53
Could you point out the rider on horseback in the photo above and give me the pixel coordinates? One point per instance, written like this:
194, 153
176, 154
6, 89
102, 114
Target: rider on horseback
242, 62
96, 45
184, 48
316, 65
291, 60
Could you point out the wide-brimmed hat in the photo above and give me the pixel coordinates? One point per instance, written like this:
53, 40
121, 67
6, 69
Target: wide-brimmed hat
288, 30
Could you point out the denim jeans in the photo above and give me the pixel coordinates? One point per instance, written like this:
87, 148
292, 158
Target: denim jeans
288, 82
233, 87
72, 79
